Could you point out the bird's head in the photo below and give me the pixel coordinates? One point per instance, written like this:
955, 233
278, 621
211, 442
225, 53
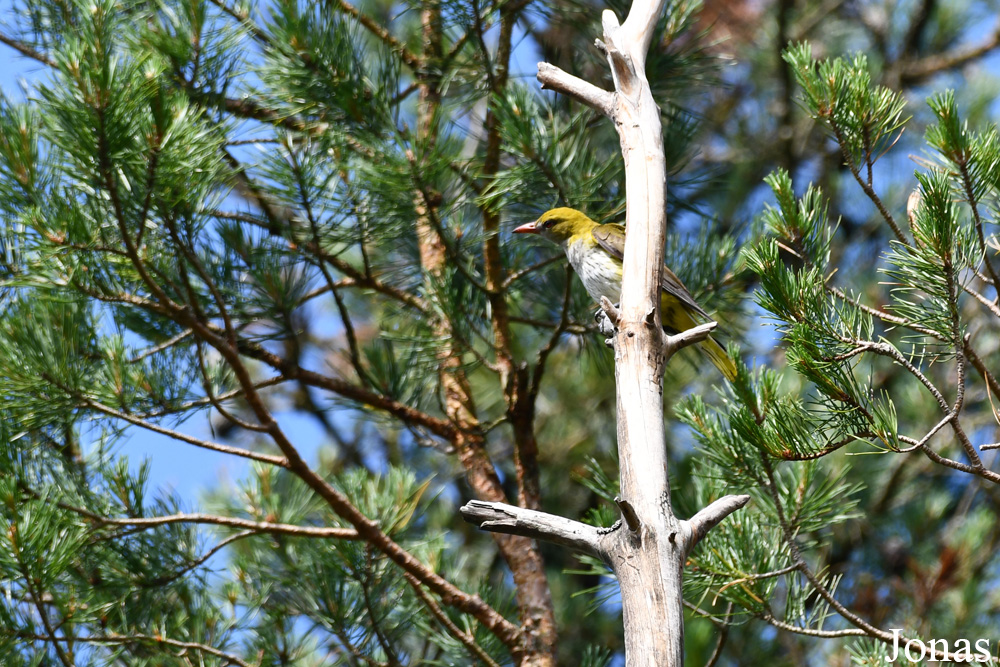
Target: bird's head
560, 225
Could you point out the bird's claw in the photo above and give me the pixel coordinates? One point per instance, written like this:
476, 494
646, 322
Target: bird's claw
605, 325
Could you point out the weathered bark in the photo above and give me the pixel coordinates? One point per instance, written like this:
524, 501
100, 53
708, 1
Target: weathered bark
536, 646
648, 549
527, 567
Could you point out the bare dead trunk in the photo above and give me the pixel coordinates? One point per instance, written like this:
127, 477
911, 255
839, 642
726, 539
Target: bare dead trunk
648, 548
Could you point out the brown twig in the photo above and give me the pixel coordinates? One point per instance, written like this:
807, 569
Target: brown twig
466, 639
26, 50
381, 32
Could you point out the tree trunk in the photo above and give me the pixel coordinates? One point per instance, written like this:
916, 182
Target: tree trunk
648, 549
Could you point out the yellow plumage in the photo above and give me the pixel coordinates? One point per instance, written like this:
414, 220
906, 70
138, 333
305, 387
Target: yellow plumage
595, 252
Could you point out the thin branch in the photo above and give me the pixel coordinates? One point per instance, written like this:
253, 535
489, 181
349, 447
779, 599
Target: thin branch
192, 257
360, 278
598, 99
381, 32
950, 463
365, 582
202, 402
512, 520
517, 275
861, 624
170, 342
970, 196
408, 414
116, 639
231, 522
345, 318
198, 562
982, 299
676, 342
707, 518
709, 616
958, 343
780, 572
183, 437
27, 50
721, 642
921, 69
881, 314
811, 632
546, 350
978, 363
466, 639
865, 186
368, 529
244, 20
788, 455
216, 403
36, 598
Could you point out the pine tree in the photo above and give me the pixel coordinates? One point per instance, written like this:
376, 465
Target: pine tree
222, 220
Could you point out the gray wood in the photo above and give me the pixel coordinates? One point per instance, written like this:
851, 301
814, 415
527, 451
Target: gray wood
648, 549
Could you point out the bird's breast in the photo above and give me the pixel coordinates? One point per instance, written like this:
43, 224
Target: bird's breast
600, 273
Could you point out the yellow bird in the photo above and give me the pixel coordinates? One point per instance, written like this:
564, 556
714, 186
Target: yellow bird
596, 252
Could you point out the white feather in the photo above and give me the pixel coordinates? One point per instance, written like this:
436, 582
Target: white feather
600, 272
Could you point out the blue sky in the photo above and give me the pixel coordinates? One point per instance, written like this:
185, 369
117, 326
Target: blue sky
182, 468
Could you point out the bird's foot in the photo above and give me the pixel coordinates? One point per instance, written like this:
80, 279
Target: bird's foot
605, 325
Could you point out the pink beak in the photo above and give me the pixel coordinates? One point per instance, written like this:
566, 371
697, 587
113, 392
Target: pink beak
528, 228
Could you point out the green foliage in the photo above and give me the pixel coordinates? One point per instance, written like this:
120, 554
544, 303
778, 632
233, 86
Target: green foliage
220, 222
862, 116
844, 343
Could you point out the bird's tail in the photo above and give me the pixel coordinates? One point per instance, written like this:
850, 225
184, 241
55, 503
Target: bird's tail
718, 355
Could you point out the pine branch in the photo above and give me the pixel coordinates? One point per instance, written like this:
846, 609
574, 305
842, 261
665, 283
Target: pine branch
256, 527
206, 384
26, 50
811, 632
970, 197
176, 435
31, 583
156, 349
803, 567
410, 59
245, 21
284, 224
916, 72
979, 471
368, 529
116, 639
202, 402
291, 371
197, 562
467, 640
866, 185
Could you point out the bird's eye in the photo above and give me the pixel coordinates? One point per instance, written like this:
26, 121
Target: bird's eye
548, 223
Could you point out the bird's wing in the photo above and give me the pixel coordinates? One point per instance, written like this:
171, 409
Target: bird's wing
611, 237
